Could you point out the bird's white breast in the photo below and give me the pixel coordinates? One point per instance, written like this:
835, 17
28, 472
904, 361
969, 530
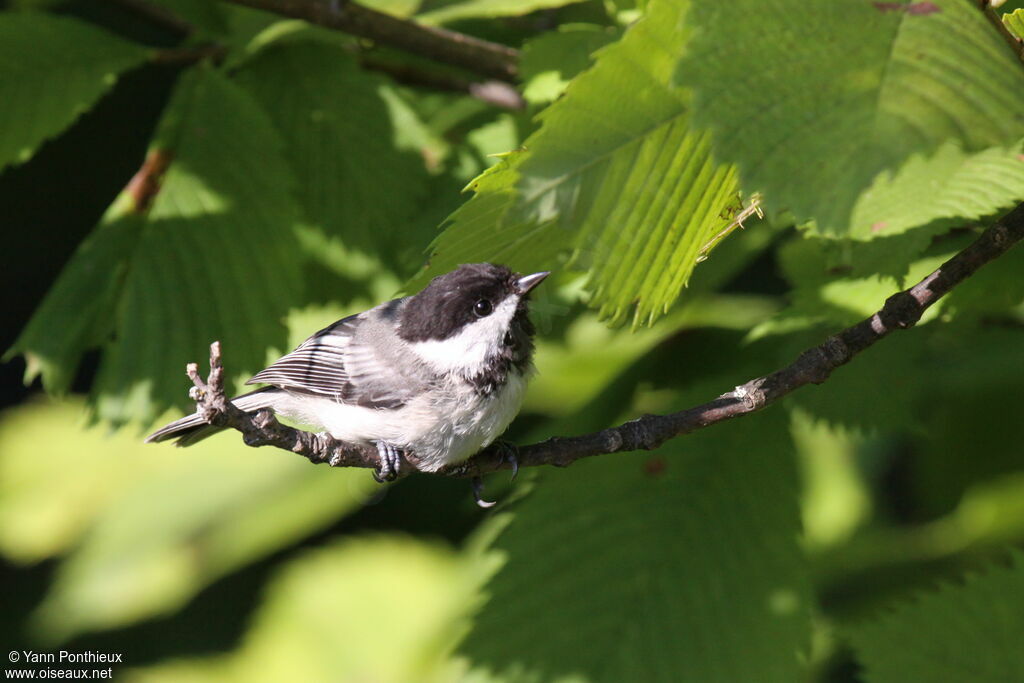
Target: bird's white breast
439, 427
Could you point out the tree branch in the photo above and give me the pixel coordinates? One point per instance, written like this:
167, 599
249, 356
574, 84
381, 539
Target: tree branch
813, 366
480, 56
497, 93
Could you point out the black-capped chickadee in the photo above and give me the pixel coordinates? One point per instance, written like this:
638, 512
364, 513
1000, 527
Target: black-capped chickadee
436, 376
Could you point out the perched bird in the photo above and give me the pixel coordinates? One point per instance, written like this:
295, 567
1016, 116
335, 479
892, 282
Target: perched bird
435, 376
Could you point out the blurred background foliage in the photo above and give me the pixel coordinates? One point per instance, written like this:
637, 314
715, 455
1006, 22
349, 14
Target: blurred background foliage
867, 529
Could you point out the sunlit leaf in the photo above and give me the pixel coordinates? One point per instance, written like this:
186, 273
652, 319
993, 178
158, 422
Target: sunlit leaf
1014, 21
144, 528
950, 184
397, 8
814, 101
614, 180
477, 9
52, 69
384, 608
553, 59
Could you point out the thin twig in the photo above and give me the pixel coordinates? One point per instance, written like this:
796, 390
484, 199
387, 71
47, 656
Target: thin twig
498, 93
901, 310
495, 93
474, 54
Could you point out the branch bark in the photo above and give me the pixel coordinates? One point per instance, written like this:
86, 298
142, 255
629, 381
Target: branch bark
479, 56
900, 311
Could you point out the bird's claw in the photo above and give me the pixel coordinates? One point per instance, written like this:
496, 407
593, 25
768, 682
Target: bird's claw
390, 462
508, 454
478, 489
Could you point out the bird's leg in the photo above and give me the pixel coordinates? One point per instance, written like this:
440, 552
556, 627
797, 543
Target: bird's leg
390, 461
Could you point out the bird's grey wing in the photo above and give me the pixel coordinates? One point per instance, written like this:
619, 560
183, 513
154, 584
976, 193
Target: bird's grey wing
333, 364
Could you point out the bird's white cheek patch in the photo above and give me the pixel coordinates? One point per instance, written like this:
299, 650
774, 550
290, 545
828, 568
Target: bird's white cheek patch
466, 352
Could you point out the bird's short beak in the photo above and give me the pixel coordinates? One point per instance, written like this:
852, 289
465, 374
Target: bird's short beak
528, 282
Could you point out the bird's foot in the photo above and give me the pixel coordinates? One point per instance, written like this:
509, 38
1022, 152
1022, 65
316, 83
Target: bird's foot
509, 452
390, 462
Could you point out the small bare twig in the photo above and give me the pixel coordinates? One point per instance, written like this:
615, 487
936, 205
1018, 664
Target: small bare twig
495, 93
474, 54
902, 310
498, 93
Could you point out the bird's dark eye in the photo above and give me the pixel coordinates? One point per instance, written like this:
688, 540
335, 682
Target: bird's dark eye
482, 308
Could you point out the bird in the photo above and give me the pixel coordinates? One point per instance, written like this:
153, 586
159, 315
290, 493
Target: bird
434, 377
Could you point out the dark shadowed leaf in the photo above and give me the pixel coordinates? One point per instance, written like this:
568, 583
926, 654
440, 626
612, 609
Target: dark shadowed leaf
341, 142
678, 565
214, 257
968, 632
52, 69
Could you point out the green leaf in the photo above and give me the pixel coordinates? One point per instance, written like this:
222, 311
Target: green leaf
214, 258
997, 290
677, 566
204, 16
969, 632
488, 9
353, 181
812, 102
1014, 21
967, 364
78, 312
52, 69
615, 180
950, 184
397, 8
382, 608
552, 59
893, 255
838, 296
143, 532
